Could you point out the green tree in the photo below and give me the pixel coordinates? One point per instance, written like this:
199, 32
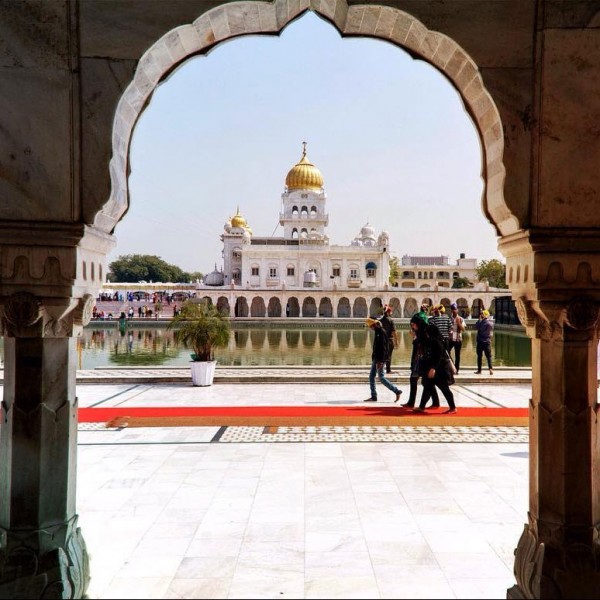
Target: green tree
132, 268
196, 275
494, 271
461, 282
394, 269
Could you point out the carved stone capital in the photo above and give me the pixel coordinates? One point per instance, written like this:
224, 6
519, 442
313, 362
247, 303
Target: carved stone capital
582, 313
22, 310
48, 563
24, 315
541, 320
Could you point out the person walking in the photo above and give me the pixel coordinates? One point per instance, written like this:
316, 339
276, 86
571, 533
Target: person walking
379, 356
443, 322
390, 330
417, 330
485, 332
458, 326
434, 370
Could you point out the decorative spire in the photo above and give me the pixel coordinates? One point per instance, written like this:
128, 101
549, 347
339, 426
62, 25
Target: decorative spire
303, 149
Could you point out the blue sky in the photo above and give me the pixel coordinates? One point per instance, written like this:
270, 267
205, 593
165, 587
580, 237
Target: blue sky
389, 134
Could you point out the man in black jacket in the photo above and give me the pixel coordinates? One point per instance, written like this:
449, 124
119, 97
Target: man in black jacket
390, 330
378, 359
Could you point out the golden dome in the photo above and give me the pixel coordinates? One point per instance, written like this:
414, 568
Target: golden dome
304, 175
238, 221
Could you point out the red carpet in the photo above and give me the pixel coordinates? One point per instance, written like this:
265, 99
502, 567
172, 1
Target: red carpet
178, 416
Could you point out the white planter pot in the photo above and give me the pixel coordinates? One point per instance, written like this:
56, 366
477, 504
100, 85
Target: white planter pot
203, 373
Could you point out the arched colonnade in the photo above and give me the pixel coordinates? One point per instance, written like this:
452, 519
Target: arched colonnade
341, 305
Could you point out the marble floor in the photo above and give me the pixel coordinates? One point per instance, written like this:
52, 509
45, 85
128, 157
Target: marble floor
185, 513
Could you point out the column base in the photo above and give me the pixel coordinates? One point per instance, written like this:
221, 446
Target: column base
47, 563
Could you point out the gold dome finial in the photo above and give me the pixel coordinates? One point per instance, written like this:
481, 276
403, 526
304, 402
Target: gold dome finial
304, 175
237, 220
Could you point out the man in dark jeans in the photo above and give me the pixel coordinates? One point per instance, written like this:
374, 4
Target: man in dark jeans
378, 358
390, 330
485, 332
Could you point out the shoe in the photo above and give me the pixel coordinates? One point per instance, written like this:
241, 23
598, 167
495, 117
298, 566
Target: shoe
398, 394
418, 409
450, 411
477, 372
371, 400
491, 371
408, 405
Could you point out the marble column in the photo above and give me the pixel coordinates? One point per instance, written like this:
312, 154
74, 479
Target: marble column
49, 275
42, 551
558, 554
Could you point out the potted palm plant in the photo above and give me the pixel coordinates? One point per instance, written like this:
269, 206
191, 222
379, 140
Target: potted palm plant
201, 327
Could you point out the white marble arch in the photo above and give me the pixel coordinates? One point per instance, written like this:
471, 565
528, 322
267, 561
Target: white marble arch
387, 23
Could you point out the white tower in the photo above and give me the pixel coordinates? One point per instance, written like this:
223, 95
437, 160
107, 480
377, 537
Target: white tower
303, 215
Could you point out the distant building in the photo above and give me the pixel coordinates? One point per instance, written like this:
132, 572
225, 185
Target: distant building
427, 271
303, 256
301, 274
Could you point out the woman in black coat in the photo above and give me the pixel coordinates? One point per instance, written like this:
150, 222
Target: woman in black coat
434, 369
417, 330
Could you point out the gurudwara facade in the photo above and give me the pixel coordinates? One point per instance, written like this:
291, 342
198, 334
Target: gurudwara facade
301, 274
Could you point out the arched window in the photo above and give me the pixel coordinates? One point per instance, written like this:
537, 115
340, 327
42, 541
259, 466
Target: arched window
371, 269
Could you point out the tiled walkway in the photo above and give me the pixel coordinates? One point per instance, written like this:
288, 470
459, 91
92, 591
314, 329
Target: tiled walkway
200, 512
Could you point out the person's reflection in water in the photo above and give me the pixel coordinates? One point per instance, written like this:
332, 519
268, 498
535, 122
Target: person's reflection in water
130, 342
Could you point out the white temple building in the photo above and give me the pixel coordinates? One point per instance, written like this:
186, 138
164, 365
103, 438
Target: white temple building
300, 274
303, 257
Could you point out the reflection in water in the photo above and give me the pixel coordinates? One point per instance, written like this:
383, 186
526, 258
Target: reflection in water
257, 338
343, 338
292, 338
325, 338
241, 338
309, 338
274, 337
155, 346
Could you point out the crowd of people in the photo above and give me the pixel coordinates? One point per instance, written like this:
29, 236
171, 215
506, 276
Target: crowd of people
436, 335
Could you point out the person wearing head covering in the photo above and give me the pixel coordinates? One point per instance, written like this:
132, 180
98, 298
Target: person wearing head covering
423, 313
417, 330
379, 356
434, 368
390, 330
455, 341
485, 332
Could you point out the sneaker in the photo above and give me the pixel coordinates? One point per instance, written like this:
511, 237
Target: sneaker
371, 400
398, 394
477, 372
450, 411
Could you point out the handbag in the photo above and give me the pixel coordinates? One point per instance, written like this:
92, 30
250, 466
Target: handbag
451, 364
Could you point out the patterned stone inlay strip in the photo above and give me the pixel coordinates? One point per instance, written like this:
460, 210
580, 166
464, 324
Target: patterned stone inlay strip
236, 434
